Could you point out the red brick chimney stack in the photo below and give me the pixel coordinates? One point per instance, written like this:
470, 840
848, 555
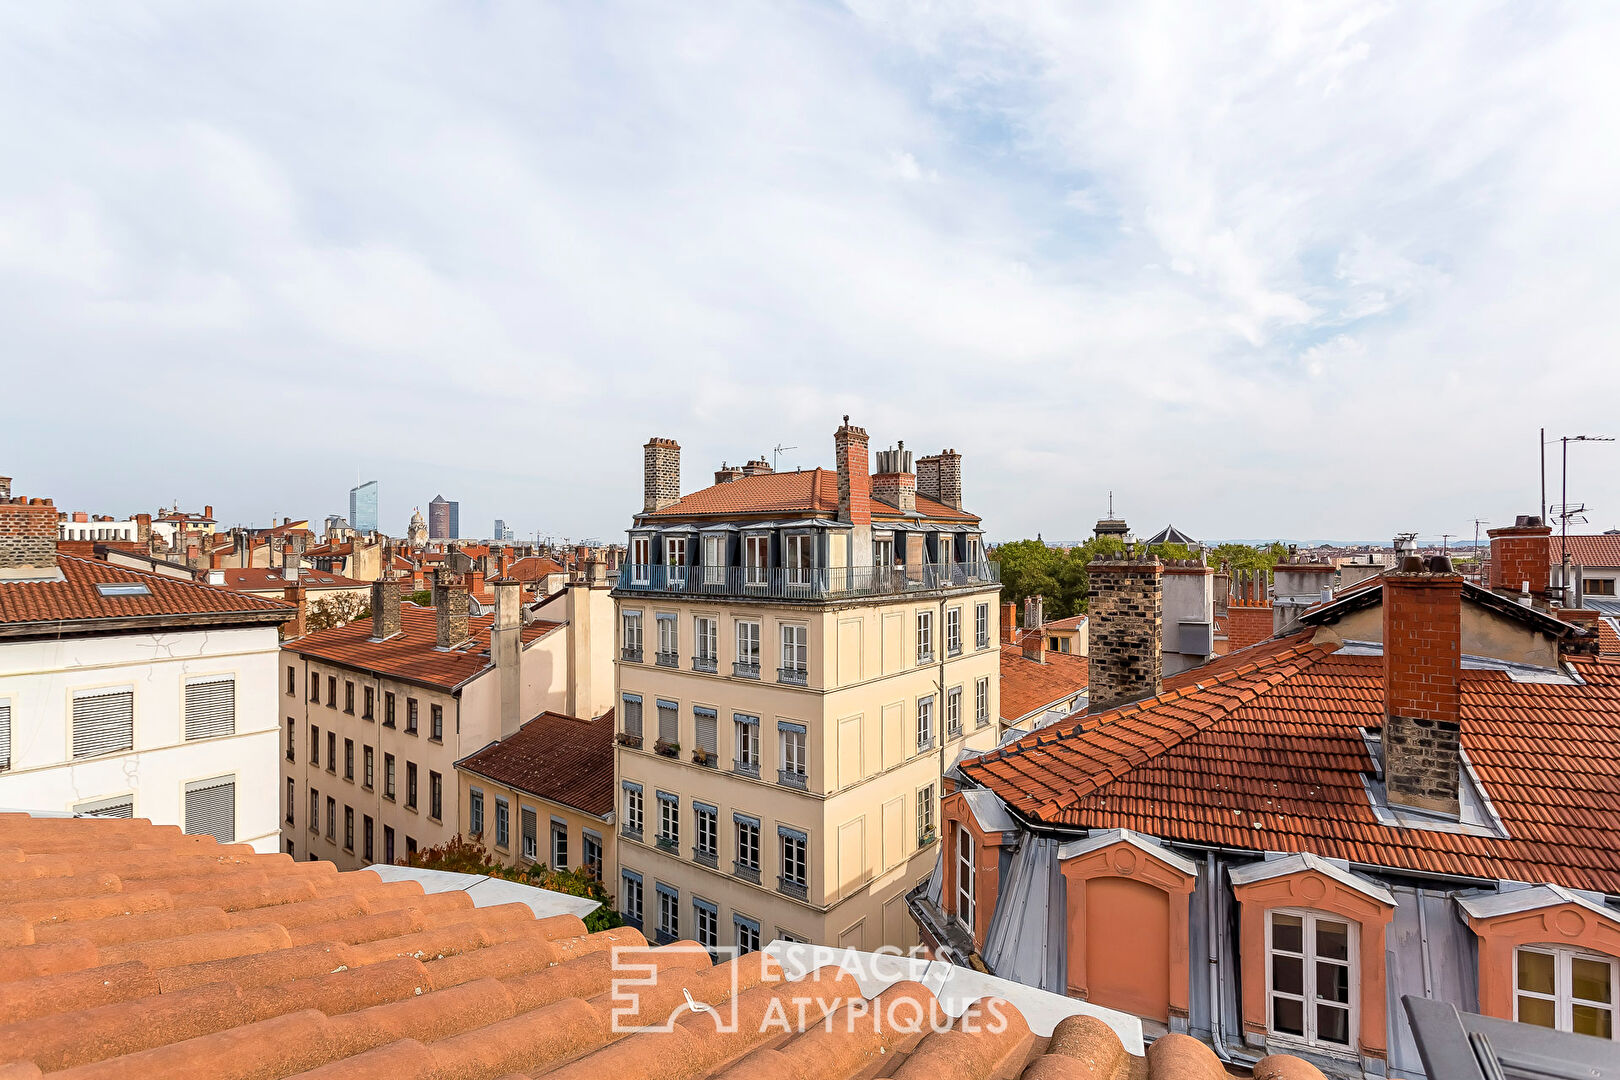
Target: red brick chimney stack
294, 595
27, 538
1522, 552
854, 476
1423, 684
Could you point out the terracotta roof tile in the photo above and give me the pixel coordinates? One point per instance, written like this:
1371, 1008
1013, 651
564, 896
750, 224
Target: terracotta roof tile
1028, 686
492, 992
75, 597
556, 757
261, 579
533, 568
811, 491
413, 654
1600, 550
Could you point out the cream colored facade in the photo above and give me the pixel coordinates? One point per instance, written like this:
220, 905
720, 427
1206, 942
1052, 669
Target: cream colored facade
575, 824
869, 805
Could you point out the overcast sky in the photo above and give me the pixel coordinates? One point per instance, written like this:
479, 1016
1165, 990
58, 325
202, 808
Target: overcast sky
1305, 271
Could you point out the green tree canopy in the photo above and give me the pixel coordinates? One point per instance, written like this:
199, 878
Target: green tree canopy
465, 855
1030, 568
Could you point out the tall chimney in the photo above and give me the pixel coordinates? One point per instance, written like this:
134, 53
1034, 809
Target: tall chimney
292, 565
294, 595
384, 609
894, 482
27, 539
939, 477
1127, 630
1423, 684
1522, 552
143, 528
208, 512
506, 649
928, 477
1034, 639
1009, 623
661, 477
855, 490
450, 606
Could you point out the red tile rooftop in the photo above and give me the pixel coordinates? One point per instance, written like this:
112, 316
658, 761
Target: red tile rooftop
1028, 686
135, 951
561, 758
258, 579
93, 591
812, 491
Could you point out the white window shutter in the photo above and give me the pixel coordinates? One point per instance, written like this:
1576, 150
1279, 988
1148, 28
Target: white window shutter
103, 723
210, 707
5, 735
117, 806
708, 738
211, 808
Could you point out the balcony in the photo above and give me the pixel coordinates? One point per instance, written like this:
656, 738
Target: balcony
668, 659
741, 669
806, 583
745, 871
788, 887
705, 663
632, 655
705, 858
669, 844
793, 676
793, 779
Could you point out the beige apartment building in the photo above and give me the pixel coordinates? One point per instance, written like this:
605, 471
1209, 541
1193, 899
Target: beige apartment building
802, 656
378, 712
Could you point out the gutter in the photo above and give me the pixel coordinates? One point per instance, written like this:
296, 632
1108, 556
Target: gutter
56, 628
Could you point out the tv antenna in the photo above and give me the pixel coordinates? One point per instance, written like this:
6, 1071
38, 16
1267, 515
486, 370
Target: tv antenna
1445, 541
777, 452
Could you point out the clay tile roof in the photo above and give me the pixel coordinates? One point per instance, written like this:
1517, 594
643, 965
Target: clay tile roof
1028, 686
1601, 550
235, 965
1263, 750
533, 568
76, 598
413, 654
1073, 622
812, 491
260, 579
561, 758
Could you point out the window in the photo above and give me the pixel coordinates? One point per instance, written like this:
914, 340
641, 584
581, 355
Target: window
714, 560
210, 707
747, 759
925, 815
348, 828
669, 722
530, 832
388, 776
792, 738
707, 845
292, 680
883, 555
388, 708
369, 758
669, 642
331, 752
315, 746
640, 559
331, 818
371, 704
291, 750
410, 845
669, 913
675, 559
503, 823
331, 691
705, 722
925, 637
315, 689
103, 722
475, 811
292, 797
953, 631
707, 633
795, 860
388, 844
1598, 587
410, 785
559, 845
119, 806
747, 663
348, 696
631, 908
1311, 977
981, 702
925, 724
211, 808
669, 821
5, 735
632, 716
747, 843
593, 854
314, 811
756, 559
410, 716
435, 796
975, 556
366, 838
953, 713
632, 809
747, 934
966, 879
631, 644
799, 557
1567, 989
795, 653
981, 626
706, 923
436, 723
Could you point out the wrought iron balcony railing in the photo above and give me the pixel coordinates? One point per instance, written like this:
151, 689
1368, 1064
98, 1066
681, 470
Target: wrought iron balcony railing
806, 583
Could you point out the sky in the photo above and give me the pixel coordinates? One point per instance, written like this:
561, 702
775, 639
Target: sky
1299, 270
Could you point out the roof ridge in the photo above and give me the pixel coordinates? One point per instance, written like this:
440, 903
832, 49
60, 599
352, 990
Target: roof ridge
165, 579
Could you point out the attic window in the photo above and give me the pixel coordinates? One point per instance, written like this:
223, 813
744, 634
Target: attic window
122, 588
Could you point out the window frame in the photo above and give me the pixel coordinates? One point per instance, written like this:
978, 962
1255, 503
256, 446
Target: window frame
967, 878
1309, 960
925, 636
1563, 997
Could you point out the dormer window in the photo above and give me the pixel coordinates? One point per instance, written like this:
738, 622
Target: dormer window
640, 559
756, 559
675, 559
714, 560
800, 558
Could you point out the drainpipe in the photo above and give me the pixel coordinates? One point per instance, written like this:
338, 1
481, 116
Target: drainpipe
1217, 1037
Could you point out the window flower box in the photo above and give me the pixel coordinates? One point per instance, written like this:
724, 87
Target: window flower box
668, 749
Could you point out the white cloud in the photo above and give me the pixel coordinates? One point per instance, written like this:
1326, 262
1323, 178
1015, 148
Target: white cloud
1198, 256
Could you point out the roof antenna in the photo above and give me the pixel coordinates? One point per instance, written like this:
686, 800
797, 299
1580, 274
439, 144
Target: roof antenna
777, 451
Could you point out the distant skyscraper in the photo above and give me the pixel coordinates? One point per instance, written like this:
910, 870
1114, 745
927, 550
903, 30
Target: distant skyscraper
363, 507
501, 530
455, 520
439, 518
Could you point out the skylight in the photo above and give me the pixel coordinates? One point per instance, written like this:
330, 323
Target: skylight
122, 588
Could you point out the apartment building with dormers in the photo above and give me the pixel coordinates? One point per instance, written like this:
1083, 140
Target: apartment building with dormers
801, 658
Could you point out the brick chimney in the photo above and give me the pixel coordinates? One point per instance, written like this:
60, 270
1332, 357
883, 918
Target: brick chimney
27, 538
759, 466
1009, 623
450, 605
855, 490
294, 595
143, 528
894, 482
1423, 684
506, 650
939, 477
208, 512
725, 474
1034, 639
5, 487
384, 609
661, 478
1127, 630
1522, 552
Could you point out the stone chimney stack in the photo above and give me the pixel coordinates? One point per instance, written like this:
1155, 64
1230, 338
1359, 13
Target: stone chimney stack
939, 477
5, 487
506, 649
1423, 684
450, 605
725, 474
757, 467
294, 595
661, 479
1127, 630
1520, 553
27, 538
855, 490
143, 528
384, 609
292, 565
1034, 639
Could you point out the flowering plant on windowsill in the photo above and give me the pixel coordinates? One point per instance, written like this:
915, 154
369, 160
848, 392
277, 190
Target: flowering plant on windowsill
928, 837
668, 749
632, 741
701, 756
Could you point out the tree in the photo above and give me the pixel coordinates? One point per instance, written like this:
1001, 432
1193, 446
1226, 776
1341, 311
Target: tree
466, 855
1030, 567
336, 610
421, 597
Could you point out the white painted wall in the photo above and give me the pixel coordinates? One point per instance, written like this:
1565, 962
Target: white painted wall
96, 530
40, 679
